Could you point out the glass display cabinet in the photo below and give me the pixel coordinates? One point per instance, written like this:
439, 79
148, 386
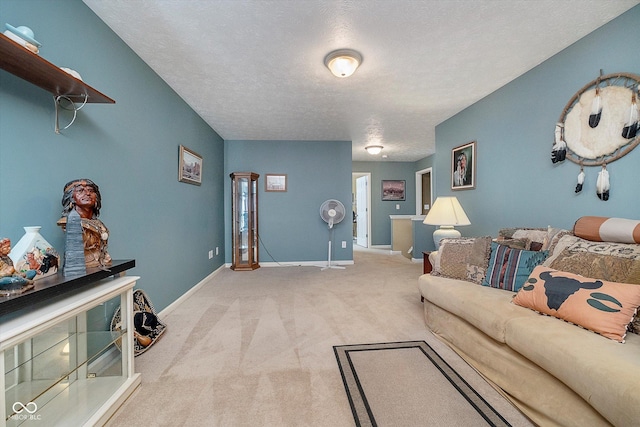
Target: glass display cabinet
244, 193
61, 363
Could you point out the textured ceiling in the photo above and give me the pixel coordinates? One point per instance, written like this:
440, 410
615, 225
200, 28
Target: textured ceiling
253, 70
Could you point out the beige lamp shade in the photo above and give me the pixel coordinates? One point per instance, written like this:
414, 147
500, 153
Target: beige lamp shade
447, 213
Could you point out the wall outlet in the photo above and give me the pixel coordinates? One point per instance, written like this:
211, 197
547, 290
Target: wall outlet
217, 250
211, 254
344, 244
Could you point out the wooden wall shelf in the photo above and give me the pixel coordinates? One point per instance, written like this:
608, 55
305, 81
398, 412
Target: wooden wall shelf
33, 68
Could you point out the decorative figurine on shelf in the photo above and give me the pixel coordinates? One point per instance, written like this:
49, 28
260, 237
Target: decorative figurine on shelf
82, 198
33, 252
12, 282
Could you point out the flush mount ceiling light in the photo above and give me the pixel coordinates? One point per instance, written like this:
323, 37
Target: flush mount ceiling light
374, 149
343, 62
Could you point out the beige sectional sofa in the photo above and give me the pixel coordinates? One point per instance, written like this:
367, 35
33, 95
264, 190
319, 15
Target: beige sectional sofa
557, 373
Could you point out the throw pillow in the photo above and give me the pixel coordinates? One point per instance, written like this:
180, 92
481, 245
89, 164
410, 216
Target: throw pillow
515, 243
509, 267
615, 262
534, 236
465, 258
604, 229
600, 306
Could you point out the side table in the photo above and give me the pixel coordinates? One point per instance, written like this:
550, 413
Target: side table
426, 264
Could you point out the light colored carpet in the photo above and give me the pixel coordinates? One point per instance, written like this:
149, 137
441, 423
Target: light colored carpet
255, 348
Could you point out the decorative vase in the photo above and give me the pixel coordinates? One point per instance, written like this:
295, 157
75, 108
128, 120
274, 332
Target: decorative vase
33, 252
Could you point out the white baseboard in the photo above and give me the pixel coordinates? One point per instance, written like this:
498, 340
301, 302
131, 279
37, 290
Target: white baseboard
381, 247
304, 263
299, 263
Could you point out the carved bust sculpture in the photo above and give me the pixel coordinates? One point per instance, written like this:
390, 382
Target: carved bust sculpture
83, 197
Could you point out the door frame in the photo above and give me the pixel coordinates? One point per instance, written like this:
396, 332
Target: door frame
419, 188
355, 176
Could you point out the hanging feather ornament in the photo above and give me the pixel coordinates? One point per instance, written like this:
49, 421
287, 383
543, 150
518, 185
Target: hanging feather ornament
631, 128
559, 149
580, 180
602, 184
596, 110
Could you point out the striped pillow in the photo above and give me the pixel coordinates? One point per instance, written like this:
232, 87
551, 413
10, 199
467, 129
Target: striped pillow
509, 268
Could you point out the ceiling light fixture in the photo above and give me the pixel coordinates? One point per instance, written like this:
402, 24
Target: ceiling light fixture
374, 149
343, 62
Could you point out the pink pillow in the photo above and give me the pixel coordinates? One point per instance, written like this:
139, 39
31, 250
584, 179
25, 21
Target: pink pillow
600, 306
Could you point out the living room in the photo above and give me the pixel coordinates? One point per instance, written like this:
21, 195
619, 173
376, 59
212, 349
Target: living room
130, 150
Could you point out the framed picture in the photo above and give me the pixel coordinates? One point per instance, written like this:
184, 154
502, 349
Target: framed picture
190, 166
393, 189
463, 167
275, 182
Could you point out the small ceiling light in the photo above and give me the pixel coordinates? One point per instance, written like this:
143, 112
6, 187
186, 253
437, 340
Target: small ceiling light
343, 62
373, 149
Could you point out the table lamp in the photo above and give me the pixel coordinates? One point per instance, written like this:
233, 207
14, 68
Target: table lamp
446, 212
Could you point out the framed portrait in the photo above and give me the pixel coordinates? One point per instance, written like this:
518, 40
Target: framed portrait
275, 182
463, 167
393, 189
190, 166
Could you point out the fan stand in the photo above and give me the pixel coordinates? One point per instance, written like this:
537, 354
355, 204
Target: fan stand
328, 266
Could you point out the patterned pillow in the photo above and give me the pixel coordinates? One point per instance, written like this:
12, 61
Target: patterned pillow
465, 258
515, 243
541, 239
509, 267
534, 236
616, 262
600, 306
634, 326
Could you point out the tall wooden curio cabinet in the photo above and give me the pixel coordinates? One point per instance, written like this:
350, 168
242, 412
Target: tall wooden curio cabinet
244, 193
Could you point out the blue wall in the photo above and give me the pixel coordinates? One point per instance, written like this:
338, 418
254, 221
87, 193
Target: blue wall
290, 226
381, 209
129, 149
517, 185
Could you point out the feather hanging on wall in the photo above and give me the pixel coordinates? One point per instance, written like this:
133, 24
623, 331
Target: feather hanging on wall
580, 181
596, 109
631, 127
559, 149
602, 184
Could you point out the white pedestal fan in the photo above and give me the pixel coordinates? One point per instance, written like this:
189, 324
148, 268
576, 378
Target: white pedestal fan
332, 212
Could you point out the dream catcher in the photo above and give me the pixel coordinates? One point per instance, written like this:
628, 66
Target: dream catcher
598, 126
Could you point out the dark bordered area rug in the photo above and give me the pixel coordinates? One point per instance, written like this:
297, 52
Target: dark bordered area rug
409, 384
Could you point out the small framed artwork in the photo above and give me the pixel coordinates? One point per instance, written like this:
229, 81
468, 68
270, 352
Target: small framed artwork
275, 182
393, 189
463, 167
190, 166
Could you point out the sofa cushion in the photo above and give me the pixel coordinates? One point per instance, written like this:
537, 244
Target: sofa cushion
604, 372
509, 267
486, 309
600, 306
463, 258
604, 229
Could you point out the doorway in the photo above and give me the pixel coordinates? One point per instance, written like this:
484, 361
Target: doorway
424, 191
361, 191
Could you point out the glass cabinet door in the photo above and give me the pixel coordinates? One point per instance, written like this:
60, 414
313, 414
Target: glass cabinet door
245, 220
